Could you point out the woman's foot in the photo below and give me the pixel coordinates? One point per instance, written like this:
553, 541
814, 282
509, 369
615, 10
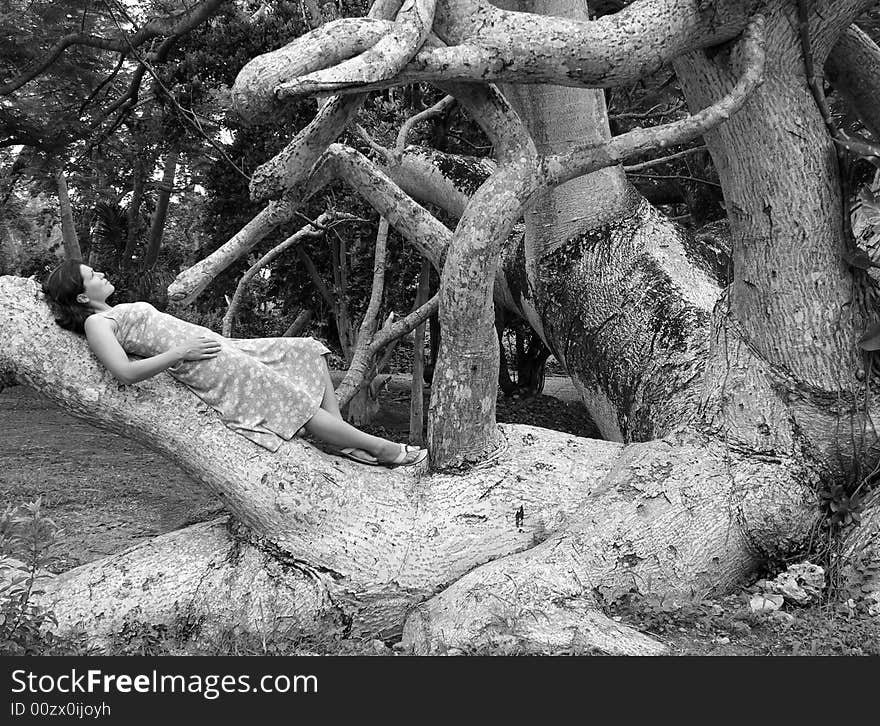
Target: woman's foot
359, 455
394, 455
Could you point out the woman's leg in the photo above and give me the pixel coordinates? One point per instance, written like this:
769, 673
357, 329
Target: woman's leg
329, 402
336, 432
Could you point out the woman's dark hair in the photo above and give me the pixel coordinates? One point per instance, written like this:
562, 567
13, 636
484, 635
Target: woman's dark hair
61, 287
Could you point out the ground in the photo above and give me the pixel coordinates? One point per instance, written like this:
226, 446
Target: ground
106, 493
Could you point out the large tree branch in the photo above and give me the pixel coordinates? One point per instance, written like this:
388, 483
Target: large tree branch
491, 45
289, 169
191, 281
586, 158
382, 61
413, 221
462, 426
356, 523
434, 177
253, 92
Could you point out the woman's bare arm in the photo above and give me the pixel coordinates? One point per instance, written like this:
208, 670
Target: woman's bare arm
102, 341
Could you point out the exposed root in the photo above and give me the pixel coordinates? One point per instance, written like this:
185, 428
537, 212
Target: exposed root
201, 579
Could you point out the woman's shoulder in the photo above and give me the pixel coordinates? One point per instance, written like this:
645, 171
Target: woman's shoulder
137, 305
120, 310
100, 320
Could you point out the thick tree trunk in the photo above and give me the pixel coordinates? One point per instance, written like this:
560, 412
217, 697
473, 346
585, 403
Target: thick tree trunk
792, 297
620, 295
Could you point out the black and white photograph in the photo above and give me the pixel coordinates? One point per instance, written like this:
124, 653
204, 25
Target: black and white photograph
522, 331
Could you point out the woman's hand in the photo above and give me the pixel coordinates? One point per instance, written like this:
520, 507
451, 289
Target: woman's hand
199, 348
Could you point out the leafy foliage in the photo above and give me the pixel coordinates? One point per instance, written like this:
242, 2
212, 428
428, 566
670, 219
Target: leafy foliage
26, 535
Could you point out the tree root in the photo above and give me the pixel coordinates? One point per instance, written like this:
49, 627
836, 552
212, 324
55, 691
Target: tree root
668, 508
201, 579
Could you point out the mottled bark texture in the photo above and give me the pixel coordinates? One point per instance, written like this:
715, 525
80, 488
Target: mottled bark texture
727, 377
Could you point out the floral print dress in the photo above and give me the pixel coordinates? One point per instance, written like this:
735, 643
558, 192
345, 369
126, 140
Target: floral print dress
265, 389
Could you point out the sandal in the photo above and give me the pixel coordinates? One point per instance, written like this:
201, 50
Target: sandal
360, 456
408, 456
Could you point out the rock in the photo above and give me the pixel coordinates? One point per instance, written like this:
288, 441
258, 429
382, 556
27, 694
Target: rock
786, 584
378, 647
779, 617
800, 584
766, 603
810, 577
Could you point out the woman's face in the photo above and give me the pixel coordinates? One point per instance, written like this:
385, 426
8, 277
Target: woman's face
97, 288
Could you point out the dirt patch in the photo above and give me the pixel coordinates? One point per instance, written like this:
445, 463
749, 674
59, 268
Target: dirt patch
105, 491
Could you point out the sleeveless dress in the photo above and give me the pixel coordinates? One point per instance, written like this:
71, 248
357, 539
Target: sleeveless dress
265, 389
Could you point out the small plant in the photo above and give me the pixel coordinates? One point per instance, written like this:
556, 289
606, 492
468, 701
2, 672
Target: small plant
26, 536
841, 505
138, 638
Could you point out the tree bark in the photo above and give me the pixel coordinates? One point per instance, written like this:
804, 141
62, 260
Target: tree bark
68, 230
417, 386
160, 214
299, 324
791, 299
